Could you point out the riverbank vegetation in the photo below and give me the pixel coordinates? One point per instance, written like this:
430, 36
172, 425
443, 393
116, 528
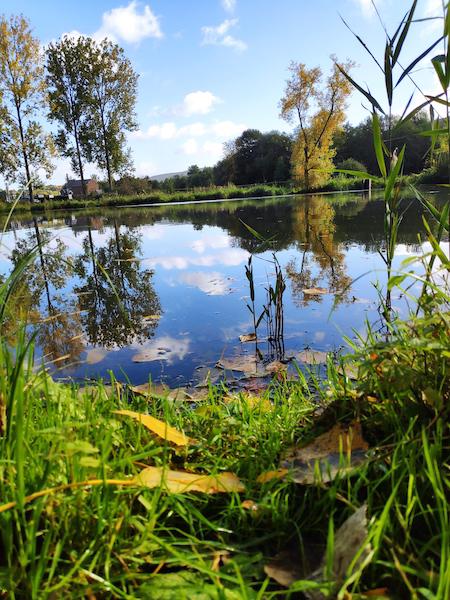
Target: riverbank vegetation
332, 488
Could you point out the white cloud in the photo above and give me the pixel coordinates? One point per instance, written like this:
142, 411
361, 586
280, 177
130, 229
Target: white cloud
231, 257
190, 147
433, 9
146, 167
127, 24
229, 5
219, 36
366, 7
169, 130
211, 283
198, 103
227, 129
214, 150
210, 241
164, 348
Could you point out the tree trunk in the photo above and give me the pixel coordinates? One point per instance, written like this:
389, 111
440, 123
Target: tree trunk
43, 266
25, 155
105, 146
80, 164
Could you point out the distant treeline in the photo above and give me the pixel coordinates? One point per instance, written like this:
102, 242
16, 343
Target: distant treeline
265, 158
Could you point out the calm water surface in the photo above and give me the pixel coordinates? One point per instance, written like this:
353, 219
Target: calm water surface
179, 272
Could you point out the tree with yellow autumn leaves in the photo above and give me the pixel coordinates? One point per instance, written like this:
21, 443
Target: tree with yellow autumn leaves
318, 111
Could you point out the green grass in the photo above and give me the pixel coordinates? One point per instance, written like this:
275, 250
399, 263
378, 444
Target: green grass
127, 542
338, 183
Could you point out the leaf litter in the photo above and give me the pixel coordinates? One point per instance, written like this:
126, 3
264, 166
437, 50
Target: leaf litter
350, 551
337, 451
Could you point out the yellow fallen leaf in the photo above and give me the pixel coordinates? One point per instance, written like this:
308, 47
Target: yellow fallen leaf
180, 482
269, 475
158, 427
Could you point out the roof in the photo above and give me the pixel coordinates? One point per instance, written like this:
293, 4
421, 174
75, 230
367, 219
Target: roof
73, 183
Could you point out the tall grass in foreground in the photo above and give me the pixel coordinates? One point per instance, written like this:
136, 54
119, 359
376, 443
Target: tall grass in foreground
61, 538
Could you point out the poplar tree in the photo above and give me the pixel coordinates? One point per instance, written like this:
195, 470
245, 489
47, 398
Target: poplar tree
67, 96
22, 87
112, 93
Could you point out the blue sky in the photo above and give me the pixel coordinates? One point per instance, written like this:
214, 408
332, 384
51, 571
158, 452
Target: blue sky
211, 68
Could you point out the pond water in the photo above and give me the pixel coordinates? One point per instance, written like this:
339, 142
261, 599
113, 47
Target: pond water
161, 292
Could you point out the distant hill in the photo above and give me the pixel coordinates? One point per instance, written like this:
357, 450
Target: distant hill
165, 176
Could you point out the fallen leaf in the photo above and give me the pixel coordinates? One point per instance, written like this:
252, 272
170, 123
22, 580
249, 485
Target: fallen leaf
338, 450
349, 540
158, 427
349, 370
284, 569
250, 505
269, 475
160, 390
312, 357
247, 337
244, 364
180, 482
275, 367
315, 291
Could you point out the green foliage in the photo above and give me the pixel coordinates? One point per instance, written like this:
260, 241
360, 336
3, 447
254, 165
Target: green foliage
25, 146
67, 89
111, 84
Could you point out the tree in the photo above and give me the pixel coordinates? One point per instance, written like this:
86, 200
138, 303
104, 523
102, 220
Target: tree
112, 90
22, 86
67, 95
255, 157
320, 112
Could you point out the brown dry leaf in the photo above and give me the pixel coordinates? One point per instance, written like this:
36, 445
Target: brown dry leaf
349, 540
158, 427
250, 505
269, 475
315, 291
275, 367
179, 482
312, 357
349, 370
284, 569
244, 364
247, 337
338, 450
220, 557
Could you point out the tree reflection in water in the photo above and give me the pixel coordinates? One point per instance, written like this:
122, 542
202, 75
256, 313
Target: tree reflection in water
40, 299
117, 294
322, 262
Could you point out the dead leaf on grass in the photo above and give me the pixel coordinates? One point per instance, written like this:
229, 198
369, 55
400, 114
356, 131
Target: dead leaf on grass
179, 482
161, 429
247, 337
336, 451
285, 568
349, 370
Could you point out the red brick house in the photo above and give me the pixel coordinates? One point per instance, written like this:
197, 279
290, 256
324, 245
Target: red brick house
75, 186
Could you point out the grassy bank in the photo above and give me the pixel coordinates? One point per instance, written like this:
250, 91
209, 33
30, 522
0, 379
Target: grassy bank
77, 521
216, 193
